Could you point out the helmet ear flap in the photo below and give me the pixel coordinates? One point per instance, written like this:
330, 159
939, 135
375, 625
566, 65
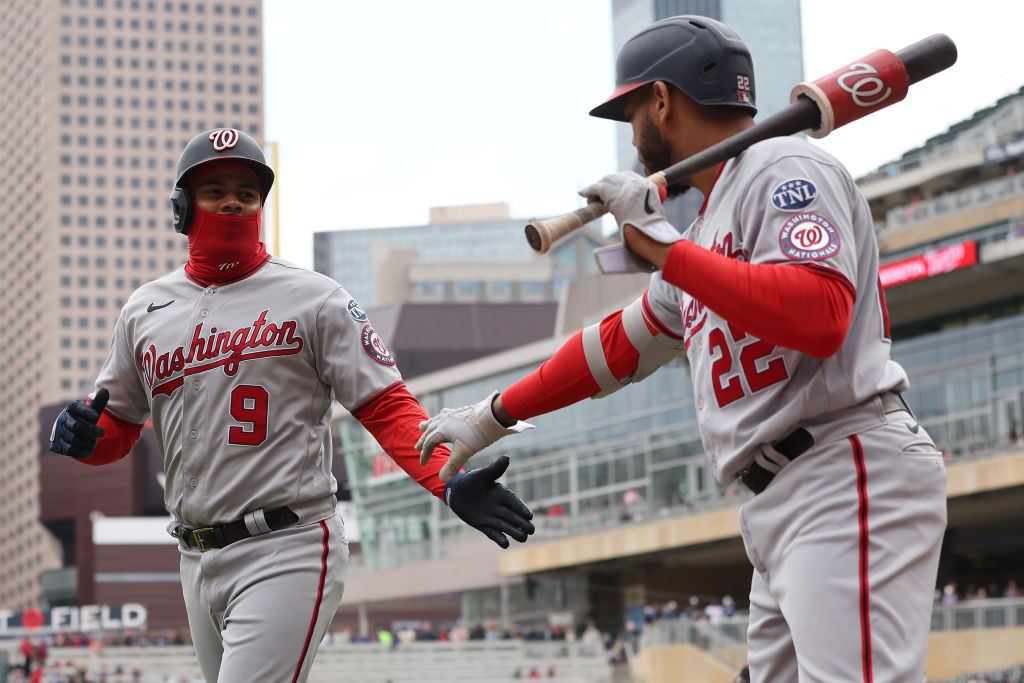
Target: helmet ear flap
181, 205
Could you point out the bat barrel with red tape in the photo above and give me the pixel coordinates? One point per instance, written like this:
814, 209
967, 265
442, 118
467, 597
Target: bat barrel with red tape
873, 82
818, 107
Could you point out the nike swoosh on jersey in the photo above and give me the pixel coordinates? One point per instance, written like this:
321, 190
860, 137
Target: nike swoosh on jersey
153, 307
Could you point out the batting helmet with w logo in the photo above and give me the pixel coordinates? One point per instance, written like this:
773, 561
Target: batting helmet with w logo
215, 145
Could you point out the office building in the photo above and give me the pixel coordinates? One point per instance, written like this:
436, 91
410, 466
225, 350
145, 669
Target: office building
465, 254
100, 97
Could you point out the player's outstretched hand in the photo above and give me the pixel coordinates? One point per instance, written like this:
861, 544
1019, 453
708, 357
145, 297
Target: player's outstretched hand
75, 431
468, 429
481, 502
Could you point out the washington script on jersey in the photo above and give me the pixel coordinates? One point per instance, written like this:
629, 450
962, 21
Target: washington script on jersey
223, 348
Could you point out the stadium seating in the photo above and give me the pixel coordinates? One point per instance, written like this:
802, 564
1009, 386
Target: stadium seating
478, 661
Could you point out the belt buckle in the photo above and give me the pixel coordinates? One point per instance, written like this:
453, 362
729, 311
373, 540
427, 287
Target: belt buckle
198, 540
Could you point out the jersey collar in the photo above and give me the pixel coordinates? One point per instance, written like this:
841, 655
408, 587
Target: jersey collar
704, 204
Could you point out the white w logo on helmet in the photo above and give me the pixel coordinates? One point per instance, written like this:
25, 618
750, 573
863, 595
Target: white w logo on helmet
224, 138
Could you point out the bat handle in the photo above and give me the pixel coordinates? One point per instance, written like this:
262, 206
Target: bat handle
541, 234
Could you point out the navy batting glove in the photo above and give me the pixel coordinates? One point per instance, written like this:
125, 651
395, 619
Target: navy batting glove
75, 431
484, 504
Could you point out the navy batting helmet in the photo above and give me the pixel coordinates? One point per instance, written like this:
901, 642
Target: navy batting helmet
704, 58
215, 145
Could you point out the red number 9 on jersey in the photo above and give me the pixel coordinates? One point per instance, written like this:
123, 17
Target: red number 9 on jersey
249, 403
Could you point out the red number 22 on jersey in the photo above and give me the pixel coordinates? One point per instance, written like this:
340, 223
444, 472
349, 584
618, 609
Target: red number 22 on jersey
750, 353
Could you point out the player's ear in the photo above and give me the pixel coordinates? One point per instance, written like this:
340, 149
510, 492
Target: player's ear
661, 100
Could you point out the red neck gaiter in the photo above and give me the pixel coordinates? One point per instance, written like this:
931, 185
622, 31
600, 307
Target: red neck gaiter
223, 247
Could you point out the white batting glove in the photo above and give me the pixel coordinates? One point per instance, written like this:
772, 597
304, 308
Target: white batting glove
468, 429
633, 199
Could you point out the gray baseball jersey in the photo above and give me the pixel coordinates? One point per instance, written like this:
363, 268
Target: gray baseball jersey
845, 539
238, 381
781, 201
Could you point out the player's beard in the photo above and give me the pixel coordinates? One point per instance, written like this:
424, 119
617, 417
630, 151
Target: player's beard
653, 151
223, 246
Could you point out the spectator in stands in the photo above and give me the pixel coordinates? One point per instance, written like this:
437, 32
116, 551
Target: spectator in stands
592, 640
617, 651
949, 594
714, 612
405, 635
1011, 589
458, 633
493, 631
694, 611
728, 606
26, 653
40, 654
385, 638
631, 505
650, 613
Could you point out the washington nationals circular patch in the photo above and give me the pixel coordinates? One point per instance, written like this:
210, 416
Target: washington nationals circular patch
809, 237
374, 347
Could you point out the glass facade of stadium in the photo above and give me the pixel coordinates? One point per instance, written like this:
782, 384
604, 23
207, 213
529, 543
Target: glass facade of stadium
967, 388
950, 224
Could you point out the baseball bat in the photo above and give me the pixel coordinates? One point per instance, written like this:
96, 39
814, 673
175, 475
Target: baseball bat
818, 107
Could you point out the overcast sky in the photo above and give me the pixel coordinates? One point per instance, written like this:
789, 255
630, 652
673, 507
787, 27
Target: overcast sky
384, 109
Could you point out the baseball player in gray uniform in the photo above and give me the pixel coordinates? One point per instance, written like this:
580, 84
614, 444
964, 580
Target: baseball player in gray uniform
773, 294
236, 358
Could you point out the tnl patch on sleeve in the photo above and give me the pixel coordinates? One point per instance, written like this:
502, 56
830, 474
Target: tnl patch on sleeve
375, 348
794, 195
807, 236
356, 311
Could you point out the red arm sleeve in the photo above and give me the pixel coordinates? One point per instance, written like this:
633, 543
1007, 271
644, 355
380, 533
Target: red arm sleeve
807, 309
565, 378
393, 417
118, 438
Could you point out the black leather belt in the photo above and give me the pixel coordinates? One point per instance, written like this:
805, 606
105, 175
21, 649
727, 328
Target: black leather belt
799, 441
212, 537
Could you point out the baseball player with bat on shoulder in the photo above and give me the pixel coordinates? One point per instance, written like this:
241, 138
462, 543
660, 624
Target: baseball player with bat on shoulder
773, 295
237, 358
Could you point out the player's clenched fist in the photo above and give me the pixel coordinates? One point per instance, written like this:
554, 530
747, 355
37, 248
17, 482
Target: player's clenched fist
468, 429
634, 200
75, 431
